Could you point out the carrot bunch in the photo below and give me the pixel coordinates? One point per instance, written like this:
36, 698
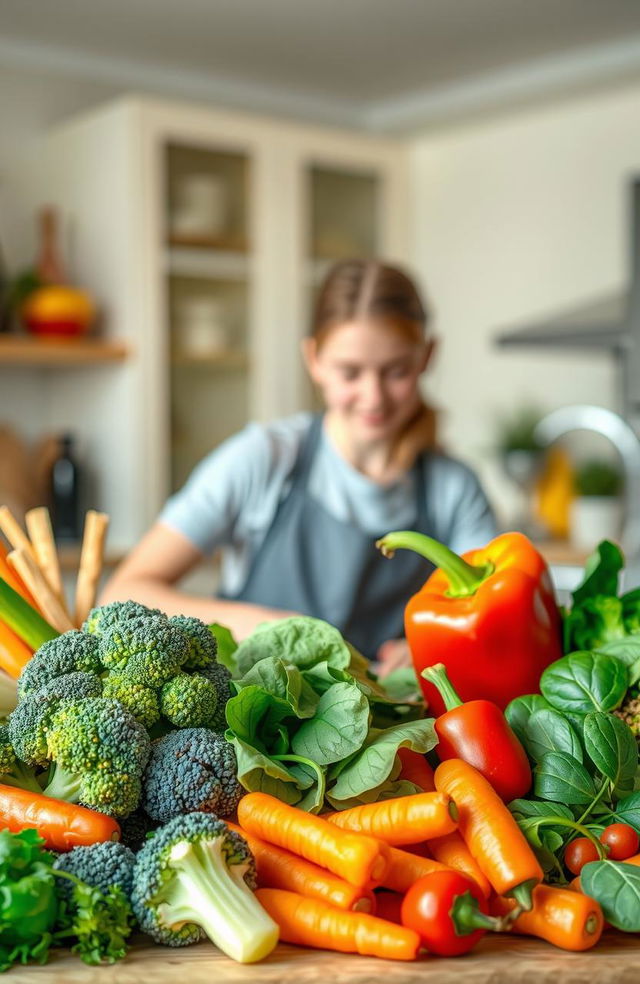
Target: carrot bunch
327, 881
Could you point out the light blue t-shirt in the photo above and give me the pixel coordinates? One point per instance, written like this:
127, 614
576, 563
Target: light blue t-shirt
231, 497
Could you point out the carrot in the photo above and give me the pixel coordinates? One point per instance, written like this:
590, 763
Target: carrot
416, 769
402, 820
14, 653
62, 825
560, 916
13, 579
359, 860
452, 851
490, 831
278, 868
310, 922
406, 868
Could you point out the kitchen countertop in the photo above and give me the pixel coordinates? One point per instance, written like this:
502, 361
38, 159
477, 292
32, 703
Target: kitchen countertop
497, 959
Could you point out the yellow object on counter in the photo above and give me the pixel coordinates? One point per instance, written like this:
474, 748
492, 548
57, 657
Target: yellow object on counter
58, 310
554, 492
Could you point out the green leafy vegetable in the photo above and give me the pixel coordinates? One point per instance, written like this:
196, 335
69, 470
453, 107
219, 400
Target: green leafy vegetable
612, 748
338, 728
549, 731
616, 886
227, 645
563, 779
601, 573
520, 710
584, 681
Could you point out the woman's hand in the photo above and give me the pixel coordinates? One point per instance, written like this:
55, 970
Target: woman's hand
392, 654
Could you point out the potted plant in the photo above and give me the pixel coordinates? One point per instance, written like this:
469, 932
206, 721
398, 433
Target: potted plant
596, 512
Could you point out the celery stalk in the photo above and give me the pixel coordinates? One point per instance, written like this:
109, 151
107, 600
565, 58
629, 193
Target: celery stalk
25, 621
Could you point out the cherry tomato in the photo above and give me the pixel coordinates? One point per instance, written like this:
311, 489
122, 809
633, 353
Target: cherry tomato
622, 841
448, 911
578, 853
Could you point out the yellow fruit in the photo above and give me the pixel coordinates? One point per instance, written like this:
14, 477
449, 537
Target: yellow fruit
58, 310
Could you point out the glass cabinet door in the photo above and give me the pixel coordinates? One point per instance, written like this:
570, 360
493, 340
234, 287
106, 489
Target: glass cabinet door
207, 285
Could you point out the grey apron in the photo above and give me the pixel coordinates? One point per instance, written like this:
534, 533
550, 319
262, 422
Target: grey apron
312, 563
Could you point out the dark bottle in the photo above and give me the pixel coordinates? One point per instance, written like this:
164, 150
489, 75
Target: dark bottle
66, 492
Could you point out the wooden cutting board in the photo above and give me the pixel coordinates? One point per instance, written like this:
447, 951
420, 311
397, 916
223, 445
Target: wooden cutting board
496, 960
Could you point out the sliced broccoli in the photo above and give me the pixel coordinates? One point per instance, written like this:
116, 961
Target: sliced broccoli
192, 770
202, 643
141, 701
147, 649
13, 772
195, 877
100, 752
101, 619
189, 700
220, 677
98, 865
68, 653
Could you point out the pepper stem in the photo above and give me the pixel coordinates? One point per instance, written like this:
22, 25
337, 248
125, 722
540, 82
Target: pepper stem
464, 578
467, 917
437, 675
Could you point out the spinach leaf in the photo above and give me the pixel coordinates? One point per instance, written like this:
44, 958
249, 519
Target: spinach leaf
616, 886
520, 710
300, 640
627, 650
283, 681
627, 810
255, 716
402, 684
563, 779
600, 573
612, 748
259, 773
338, 727
631, 610
549, 731
584, 681
375, 761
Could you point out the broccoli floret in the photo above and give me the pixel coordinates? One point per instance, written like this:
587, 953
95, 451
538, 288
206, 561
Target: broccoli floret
147, 649
189, 700
100, 752
192, 770
101, 619
68, 653
72, 686
220, 677
203, 646
141, 701
195, 877
98, 865
13, 772
28, 727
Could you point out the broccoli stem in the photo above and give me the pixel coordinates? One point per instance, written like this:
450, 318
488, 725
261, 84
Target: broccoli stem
22, 777
63, 785
205, 890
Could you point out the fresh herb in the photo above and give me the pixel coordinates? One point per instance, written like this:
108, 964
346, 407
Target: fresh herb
616, 886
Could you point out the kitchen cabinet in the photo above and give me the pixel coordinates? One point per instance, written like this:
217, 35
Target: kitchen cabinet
203, 234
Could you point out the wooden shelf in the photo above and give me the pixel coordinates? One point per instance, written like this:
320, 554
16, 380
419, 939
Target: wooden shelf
69, 557
207, 265
24, 350
220, 244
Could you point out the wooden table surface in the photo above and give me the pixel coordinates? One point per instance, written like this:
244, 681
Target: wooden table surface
496, 960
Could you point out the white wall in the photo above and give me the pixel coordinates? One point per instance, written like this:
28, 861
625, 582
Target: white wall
515, 220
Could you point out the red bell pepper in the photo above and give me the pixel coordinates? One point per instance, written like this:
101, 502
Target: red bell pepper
479, 733
489, 616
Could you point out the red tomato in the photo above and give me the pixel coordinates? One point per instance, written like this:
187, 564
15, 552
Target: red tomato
578, 853
446, 909
622, 841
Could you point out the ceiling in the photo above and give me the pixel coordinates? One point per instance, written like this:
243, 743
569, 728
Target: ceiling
379, 64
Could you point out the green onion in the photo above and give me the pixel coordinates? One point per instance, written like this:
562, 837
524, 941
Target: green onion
25, 621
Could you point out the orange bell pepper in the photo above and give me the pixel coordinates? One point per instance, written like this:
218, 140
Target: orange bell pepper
489, 616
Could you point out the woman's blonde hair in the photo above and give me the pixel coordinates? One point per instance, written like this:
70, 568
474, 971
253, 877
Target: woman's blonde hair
370, 290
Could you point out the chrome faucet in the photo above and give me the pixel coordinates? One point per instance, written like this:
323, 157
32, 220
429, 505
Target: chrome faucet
626, 442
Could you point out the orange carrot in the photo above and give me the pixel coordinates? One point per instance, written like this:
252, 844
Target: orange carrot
490, 831
278, 868
416, 769
402, 820
361, 861
14, 653
309, 922
452, 851
13, 578
62, 825
406, 868
565, 918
